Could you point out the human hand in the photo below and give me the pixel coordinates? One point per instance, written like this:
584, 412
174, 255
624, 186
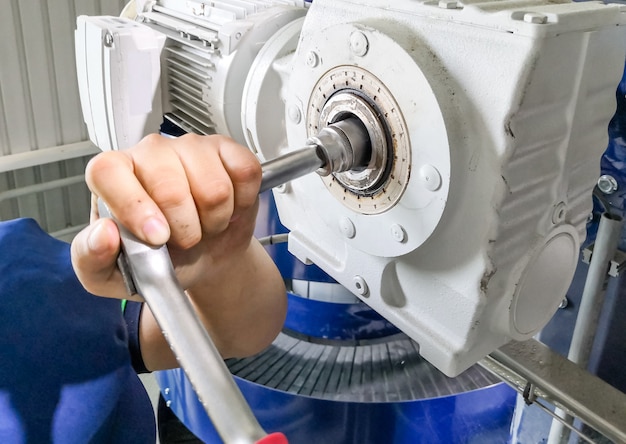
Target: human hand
198, 194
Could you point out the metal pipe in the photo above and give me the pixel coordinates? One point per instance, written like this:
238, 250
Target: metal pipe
591, 303
46, 155
290, 166
154, 277
40, 187
540, 373
592, 300
148, 271
344, 145
339, 147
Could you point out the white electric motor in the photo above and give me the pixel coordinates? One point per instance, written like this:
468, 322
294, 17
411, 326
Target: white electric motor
486, 120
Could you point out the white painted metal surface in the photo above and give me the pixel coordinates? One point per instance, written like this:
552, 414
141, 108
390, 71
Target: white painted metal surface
205, 52
495, 114
40, 111
505, 106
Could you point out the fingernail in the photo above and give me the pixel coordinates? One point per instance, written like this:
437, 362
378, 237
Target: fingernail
156, 231
97, 240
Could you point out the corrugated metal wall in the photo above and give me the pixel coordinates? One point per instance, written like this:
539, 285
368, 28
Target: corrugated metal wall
43, 141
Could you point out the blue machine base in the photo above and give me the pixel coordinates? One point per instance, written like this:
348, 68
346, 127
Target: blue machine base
478, 416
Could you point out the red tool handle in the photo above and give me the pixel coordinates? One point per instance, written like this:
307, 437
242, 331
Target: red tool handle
273, 438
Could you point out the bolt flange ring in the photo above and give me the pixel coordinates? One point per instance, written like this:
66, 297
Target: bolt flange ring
347, 91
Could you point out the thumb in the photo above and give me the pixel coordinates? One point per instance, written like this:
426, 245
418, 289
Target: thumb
94, 252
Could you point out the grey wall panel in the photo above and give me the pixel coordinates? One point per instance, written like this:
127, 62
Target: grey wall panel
40, 109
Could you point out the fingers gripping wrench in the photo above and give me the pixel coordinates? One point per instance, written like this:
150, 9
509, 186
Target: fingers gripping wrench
148, 271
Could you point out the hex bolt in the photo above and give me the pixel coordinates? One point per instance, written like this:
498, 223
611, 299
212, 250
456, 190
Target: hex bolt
536, 18
398, 233
108, 40
607, 184
564, 303
168, 403
166, 390
347, 227
361, 286
359, 45
312, 59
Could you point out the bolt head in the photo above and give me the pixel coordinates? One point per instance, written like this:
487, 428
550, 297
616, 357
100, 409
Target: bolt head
607, 184
108, 40
398, 233
429, 177
312, 59
294, 114
361, 286
559, 212
282, 188
359, 45
347, 227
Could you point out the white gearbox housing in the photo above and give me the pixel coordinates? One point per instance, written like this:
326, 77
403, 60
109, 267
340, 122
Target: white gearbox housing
495, 119
487, 123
